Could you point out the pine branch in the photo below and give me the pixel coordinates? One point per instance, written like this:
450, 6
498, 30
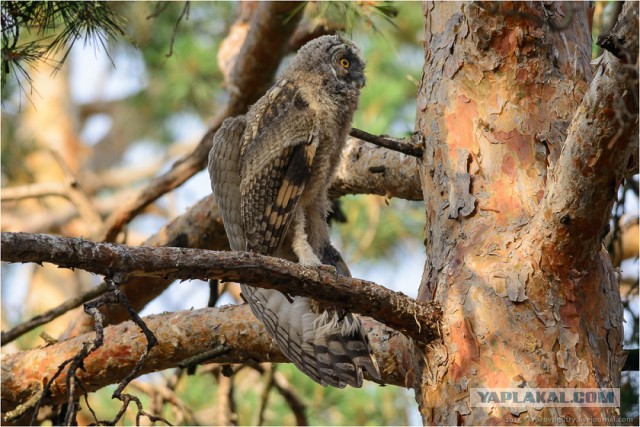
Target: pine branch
409, 146
181, 335
370, 169
66, 21
598, 153
396, 310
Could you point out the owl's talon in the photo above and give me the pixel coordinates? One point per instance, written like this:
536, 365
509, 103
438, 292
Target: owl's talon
328, 268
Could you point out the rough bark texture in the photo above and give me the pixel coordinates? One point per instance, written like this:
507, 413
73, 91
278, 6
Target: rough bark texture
181, 336
369, 169
501, 84
418, 321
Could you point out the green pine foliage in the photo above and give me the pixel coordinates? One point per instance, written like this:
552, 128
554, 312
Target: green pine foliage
34, 30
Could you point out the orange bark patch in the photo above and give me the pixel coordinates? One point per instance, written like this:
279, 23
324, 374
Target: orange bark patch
466, 349
505, 202
459, 123
518, 144
506, 44
509, 166
569, 314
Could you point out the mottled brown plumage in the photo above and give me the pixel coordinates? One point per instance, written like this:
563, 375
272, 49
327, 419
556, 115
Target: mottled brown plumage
270, 171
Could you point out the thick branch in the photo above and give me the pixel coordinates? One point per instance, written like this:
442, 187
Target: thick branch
367, 169
394, 309
255, 68
181, 336
601, 144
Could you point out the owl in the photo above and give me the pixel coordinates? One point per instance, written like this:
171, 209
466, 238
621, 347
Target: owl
270, 172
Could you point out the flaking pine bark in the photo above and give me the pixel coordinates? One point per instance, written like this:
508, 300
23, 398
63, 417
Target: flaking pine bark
525, 147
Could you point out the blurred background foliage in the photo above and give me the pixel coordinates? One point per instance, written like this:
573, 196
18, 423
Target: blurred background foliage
160, 87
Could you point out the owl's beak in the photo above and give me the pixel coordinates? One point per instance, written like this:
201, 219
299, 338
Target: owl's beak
361, 81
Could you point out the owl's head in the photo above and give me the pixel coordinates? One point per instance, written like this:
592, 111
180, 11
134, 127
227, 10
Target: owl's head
334, 58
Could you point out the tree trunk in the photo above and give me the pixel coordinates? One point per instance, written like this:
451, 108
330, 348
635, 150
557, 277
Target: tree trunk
500, 87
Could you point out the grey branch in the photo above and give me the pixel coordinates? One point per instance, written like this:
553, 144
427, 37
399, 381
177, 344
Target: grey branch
416, 320
370, 169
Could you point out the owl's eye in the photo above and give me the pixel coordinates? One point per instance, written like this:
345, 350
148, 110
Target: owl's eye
345, 62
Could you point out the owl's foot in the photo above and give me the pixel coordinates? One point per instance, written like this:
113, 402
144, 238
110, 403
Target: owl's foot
328, 268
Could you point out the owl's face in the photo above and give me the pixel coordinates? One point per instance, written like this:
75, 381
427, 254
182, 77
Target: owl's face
348, 65
336, 60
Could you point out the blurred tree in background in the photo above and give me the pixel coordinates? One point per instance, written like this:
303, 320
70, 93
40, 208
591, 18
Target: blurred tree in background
84, 128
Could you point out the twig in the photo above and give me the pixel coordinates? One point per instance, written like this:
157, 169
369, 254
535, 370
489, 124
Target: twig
219, 350
414, 319
185, 11
282, 385
22, 409
115, 296
78, 196
45, 391
225, 403
407, 146
48, 316
37, 190
264, 397
166, 394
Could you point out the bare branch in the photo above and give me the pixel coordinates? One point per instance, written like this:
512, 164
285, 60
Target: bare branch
602, 141
181, 335
295, 402
70, 188
200, 227
394, 309
166, 394
264, 396
37, 190
367, 169
409, 146
48, 316
87, 210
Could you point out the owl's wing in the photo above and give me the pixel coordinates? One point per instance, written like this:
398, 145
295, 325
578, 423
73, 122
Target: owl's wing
331, 348
224, 171
275, 166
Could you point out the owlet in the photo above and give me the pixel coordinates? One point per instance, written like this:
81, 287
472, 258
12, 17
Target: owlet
270, 171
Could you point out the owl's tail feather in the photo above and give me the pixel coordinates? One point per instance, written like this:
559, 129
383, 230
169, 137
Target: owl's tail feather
330, 349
